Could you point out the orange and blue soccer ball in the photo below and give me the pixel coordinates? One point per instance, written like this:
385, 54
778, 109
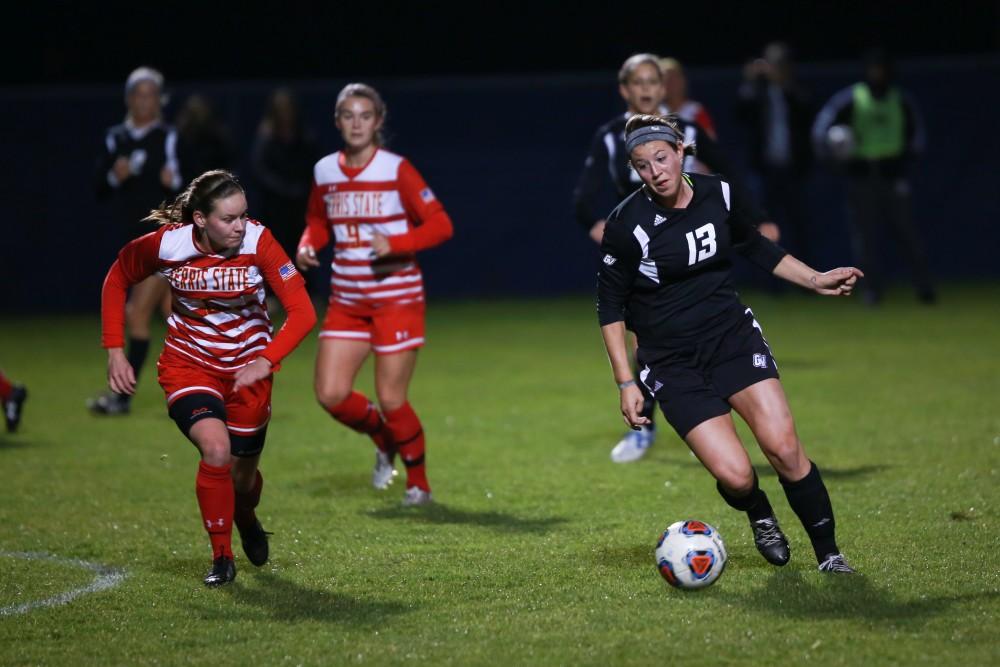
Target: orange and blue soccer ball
691, 554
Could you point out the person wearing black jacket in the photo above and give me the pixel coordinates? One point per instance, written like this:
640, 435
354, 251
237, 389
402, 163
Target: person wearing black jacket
778, 114
137, 169
665, 275
640, 84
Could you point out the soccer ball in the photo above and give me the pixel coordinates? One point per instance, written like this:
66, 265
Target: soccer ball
840, 140
690, 554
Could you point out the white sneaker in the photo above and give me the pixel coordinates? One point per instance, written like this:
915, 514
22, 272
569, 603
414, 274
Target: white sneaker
384, 472
634, 445
417, 496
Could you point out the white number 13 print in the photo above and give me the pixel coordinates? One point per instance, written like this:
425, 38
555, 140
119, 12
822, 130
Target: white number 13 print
701, 244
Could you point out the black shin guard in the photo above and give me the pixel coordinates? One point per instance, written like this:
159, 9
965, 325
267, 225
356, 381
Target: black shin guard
755, 503
137, 351
811, 503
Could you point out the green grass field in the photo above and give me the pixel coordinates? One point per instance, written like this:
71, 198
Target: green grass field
539, 550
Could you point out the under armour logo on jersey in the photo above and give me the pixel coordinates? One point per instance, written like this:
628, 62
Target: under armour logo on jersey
659, 219
609, 260
760, 360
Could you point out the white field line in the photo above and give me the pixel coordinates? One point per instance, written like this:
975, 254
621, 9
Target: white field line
105, 578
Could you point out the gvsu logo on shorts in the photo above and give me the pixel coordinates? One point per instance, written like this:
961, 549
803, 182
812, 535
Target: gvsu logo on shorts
760, 360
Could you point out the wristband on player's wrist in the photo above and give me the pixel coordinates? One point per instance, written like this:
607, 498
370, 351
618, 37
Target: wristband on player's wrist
626, 383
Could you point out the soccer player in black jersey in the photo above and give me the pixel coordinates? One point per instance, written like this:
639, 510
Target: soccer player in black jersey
640, 83
665, 276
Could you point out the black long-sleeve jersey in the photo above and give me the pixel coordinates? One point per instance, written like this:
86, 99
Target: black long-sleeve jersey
608, 159
666, 272
148, 151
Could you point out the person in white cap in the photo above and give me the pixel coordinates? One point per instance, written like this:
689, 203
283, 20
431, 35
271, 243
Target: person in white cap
137, 170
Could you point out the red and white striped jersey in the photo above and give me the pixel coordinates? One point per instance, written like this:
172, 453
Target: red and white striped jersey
219, 316
386, 196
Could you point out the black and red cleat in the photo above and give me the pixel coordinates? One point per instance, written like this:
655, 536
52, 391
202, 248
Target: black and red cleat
13, 407
223, 571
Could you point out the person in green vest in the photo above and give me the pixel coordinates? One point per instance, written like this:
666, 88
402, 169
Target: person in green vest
874, 130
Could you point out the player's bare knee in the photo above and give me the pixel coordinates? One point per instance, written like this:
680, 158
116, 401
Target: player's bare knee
215, 451
391, 401
737, 480
330, 395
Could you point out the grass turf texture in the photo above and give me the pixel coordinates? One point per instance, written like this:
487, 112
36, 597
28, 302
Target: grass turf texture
540, 550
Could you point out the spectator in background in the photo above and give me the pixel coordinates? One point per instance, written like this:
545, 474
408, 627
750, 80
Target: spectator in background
874, 129
779, 115
205, 142
676, 100
137, 169
284, 153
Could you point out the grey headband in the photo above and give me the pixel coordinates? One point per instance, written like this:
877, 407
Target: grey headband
651, 133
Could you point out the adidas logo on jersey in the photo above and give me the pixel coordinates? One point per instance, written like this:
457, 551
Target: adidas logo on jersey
659, 219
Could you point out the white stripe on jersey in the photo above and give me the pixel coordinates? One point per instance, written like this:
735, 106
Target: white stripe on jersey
369, 270
647, 267
365, 230
380, 295
391, 280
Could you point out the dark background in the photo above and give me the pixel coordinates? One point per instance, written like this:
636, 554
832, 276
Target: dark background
495, 104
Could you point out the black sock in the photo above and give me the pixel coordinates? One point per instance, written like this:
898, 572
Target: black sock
138, 348
755, 503
811, 503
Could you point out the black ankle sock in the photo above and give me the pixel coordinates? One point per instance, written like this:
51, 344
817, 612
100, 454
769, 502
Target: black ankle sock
755, 503
138, 348
811, 503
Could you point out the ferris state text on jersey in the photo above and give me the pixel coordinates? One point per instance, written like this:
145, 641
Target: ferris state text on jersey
666, 272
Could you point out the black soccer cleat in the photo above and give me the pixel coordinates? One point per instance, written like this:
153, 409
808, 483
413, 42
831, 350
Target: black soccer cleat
255, 543
109, 403
770, 541
13, 407
836, 563
223, 571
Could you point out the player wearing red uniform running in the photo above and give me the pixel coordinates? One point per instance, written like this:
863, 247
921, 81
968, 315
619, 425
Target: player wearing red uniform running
379, 212
219, 354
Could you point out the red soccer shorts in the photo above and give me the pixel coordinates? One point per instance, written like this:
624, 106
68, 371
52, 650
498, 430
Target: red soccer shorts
247, 411
389, 328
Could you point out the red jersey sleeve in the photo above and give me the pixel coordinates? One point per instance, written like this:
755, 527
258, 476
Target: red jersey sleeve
317, 231
287, 284
432, 226
138, 260
703, 119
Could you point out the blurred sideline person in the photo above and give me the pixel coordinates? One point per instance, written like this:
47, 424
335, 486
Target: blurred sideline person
219, 355
675, 97
12, 397
205, 142
778, 115
378, 211
137, 169
702, 353
640, 84
284, 152
874, 128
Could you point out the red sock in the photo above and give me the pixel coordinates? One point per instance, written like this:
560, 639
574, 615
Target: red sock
214, 487
408, 435
360, 414
243, 514
5, 387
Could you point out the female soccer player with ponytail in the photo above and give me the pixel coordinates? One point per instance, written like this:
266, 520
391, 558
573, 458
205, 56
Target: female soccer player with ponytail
379, 212
219, 353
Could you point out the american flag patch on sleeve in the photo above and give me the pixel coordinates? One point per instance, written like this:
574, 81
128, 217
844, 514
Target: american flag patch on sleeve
287, 271
427, 195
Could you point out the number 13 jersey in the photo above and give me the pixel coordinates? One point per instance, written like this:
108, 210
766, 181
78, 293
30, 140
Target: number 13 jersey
666, 272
